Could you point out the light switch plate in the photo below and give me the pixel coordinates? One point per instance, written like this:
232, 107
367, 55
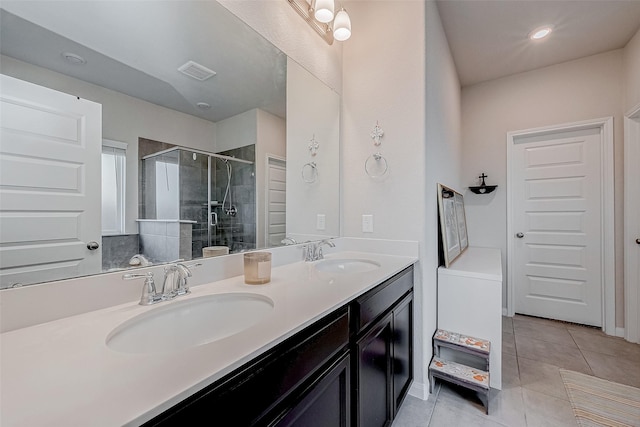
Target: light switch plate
367, 223
321, 222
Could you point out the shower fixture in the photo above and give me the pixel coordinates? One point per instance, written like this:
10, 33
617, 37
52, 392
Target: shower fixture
231, 210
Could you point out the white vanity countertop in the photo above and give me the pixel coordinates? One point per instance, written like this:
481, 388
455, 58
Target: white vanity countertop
61, 373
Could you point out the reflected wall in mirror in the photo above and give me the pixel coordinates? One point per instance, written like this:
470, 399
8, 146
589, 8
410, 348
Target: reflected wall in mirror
122, 59
313, 172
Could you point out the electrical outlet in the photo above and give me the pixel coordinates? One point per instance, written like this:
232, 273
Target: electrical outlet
321, 222
367, 223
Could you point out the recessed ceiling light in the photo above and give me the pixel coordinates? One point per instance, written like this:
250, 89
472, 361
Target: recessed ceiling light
73, 58
541, 32
203, 105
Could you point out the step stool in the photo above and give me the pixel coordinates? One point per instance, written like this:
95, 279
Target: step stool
457, 373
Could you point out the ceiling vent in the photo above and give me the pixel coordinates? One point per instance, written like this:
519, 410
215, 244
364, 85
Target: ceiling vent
196, 71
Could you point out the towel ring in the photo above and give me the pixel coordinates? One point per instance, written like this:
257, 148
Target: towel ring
310, 172
376, 166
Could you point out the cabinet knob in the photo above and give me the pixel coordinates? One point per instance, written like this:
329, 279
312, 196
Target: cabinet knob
520, 235
92, 246
638, 241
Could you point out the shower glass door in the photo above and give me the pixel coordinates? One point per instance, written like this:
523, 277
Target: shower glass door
233, 200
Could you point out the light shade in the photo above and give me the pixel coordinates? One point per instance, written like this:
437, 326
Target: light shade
324, 10
342, 26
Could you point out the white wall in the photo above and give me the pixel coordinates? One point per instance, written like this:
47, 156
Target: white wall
631, 58
400, 79
312, 113
124, 118
237, 131
443, 154
578, 90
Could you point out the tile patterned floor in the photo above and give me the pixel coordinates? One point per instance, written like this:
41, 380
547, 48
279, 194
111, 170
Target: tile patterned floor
533, 395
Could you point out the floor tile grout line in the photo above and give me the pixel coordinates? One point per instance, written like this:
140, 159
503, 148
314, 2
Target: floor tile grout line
583, 356
437, 394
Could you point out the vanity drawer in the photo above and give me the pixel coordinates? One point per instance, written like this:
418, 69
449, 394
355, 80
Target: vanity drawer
376, 302
246, 396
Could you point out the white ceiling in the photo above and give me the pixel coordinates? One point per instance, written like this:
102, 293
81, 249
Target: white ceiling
136, 47
488, 38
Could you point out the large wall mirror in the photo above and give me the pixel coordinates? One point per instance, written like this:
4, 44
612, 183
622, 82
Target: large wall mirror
199, 138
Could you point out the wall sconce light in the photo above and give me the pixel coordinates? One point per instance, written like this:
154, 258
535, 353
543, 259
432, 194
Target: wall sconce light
321, 16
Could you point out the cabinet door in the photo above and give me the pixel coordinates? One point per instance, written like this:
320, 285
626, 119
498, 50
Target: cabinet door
326, 402
402, 350
374, 379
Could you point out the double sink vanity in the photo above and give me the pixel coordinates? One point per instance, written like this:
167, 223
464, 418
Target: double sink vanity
324, 343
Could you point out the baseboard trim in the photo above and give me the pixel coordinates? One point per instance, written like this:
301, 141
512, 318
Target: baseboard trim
419, 390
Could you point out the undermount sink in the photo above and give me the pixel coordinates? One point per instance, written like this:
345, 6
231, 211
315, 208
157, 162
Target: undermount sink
183, 324
342, 265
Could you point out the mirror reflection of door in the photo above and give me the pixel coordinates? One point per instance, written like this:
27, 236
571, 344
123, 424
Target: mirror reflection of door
50, 185
276, 201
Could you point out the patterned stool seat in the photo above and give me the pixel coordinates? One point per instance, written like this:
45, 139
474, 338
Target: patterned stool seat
462, 373
474, 345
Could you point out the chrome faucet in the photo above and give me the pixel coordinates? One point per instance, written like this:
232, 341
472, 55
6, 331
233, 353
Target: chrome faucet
175, 279
149, 294
140, 260
289, 241
313, 250
174, 284
319, 254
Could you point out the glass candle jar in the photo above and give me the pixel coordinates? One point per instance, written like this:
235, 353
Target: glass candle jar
257, 268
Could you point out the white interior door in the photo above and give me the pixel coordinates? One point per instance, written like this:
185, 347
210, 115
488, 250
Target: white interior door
632, 225
276, 201
50, 163
556, 195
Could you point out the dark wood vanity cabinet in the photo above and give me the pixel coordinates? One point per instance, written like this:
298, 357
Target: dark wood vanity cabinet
352, 367
325, 402
268, 387
383, 351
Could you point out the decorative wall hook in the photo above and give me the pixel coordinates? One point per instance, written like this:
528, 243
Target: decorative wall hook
314, 145
376, 134
376, 165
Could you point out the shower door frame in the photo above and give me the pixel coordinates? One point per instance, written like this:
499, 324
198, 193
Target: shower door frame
209, 175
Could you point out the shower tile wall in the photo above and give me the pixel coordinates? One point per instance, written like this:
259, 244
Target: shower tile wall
239, 232
162, 241
118, 250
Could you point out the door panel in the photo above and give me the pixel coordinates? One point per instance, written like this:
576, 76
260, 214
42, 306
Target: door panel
556, 190
571, 290
276, 202
50, 174
374, 384
555, 221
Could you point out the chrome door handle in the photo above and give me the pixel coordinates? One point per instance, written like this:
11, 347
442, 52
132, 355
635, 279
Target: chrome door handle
520, 235
92, 246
